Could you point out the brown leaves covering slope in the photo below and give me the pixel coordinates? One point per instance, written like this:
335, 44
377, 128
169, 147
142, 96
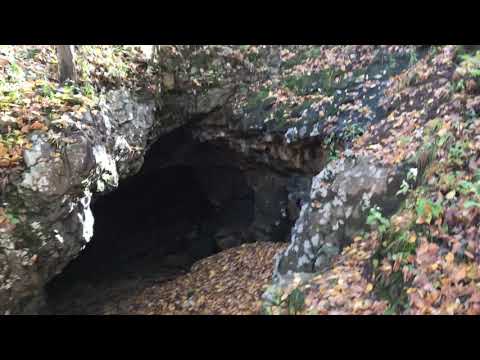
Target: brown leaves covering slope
343, 289
228, 283
413, 97
441, 276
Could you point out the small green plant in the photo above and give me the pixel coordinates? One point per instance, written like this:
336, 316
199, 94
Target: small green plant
404, 188
352, 131
376, 219
396, 247
443, 139
471, 203
470, 65
295, 301
84, 68
12, 218
327, 81
15, 72
314, 52
392, 289
434, 50
88, 90
330, 144
256, 99
47, 90
458, 86
30, 53
471, 189
467, 187
427, 211
457, 154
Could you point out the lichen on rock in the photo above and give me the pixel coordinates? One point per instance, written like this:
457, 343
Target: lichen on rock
340, 197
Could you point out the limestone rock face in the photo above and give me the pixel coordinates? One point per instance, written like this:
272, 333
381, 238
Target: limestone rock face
51, 198
340, 198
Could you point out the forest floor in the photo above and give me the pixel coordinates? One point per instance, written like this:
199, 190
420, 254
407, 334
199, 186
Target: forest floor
227, 283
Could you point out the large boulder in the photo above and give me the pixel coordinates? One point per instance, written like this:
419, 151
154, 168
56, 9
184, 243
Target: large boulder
340, 199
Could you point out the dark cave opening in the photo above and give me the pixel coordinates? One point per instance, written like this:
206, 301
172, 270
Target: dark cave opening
188, 201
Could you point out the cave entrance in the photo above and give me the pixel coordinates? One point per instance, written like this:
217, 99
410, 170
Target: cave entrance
188, 202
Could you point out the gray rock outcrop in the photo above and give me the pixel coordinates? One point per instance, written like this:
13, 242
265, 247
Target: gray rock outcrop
340, 198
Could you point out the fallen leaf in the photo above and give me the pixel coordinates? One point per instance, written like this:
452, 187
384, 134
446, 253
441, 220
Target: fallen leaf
3, 150
37, 125
451, 195
449, 258
459, 274
412, 238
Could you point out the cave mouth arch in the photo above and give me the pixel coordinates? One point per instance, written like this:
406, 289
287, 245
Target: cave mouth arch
188, 201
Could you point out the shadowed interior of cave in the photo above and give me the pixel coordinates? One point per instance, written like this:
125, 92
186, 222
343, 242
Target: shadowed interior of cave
172, 213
